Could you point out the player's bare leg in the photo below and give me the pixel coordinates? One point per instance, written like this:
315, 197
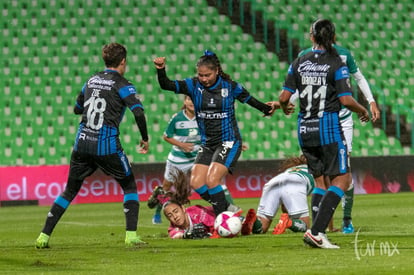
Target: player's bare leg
198, 180
215, 175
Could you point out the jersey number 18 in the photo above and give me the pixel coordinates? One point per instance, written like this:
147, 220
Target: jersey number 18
96, 108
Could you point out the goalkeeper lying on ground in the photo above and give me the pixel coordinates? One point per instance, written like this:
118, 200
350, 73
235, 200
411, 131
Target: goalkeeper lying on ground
193, 222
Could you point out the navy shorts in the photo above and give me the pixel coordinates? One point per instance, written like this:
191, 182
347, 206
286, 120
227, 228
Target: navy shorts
328, 160
226, 153
114, 165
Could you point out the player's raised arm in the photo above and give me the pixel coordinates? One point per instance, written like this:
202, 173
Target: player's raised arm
159, 62
163, 80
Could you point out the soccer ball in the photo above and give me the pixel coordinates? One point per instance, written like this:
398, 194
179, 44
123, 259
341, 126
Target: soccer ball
227, 224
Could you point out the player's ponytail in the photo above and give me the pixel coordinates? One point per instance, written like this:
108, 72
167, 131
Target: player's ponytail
182, 189
323, 31
211, 60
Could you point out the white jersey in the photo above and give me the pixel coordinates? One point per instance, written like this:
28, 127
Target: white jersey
183, 129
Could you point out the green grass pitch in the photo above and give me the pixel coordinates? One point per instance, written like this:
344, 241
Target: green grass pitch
89, 240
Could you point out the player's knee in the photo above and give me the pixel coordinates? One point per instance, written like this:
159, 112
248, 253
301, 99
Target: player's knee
213, 181
197, 181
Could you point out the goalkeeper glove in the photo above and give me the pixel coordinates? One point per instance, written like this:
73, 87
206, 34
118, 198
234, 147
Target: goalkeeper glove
199, 231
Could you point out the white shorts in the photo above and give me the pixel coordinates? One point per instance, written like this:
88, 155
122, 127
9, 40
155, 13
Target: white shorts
348, 128
171, 169
287, 189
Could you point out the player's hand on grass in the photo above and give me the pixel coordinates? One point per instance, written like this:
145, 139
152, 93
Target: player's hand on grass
143, 147
188, 234
159, 62
199, 231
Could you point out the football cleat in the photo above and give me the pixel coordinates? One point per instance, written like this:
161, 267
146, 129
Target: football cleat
284, 222
348, 229
42, 241
153, 200
215, 235
235, 209
318, 241
156, 219
247, 226
131, 239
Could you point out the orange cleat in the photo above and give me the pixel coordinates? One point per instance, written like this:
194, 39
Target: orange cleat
215, 235
247, 226
284, 222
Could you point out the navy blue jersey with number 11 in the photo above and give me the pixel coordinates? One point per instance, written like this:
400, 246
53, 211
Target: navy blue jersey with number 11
320, 80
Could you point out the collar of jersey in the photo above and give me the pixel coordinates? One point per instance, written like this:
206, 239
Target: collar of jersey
109, 70
318, 51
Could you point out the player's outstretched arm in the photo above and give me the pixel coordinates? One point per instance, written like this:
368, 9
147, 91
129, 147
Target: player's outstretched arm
276, 105
266, 109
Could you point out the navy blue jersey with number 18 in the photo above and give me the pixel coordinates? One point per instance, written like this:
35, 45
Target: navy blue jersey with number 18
103, 101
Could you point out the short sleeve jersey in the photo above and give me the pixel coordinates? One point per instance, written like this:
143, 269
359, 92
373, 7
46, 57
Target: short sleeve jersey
320, 79
104, 99
185, 130
214, 108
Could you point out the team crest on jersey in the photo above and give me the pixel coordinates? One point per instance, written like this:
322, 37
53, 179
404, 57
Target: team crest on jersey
132, 90
224, 92
192, 132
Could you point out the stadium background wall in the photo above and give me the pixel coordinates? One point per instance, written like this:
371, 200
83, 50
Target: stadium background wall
42, 184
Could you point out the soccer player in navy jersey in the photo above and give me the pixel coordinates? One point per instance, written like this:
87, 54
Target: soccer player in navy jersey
213, 94
345, 117
181, 132
322, 80
102, 103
